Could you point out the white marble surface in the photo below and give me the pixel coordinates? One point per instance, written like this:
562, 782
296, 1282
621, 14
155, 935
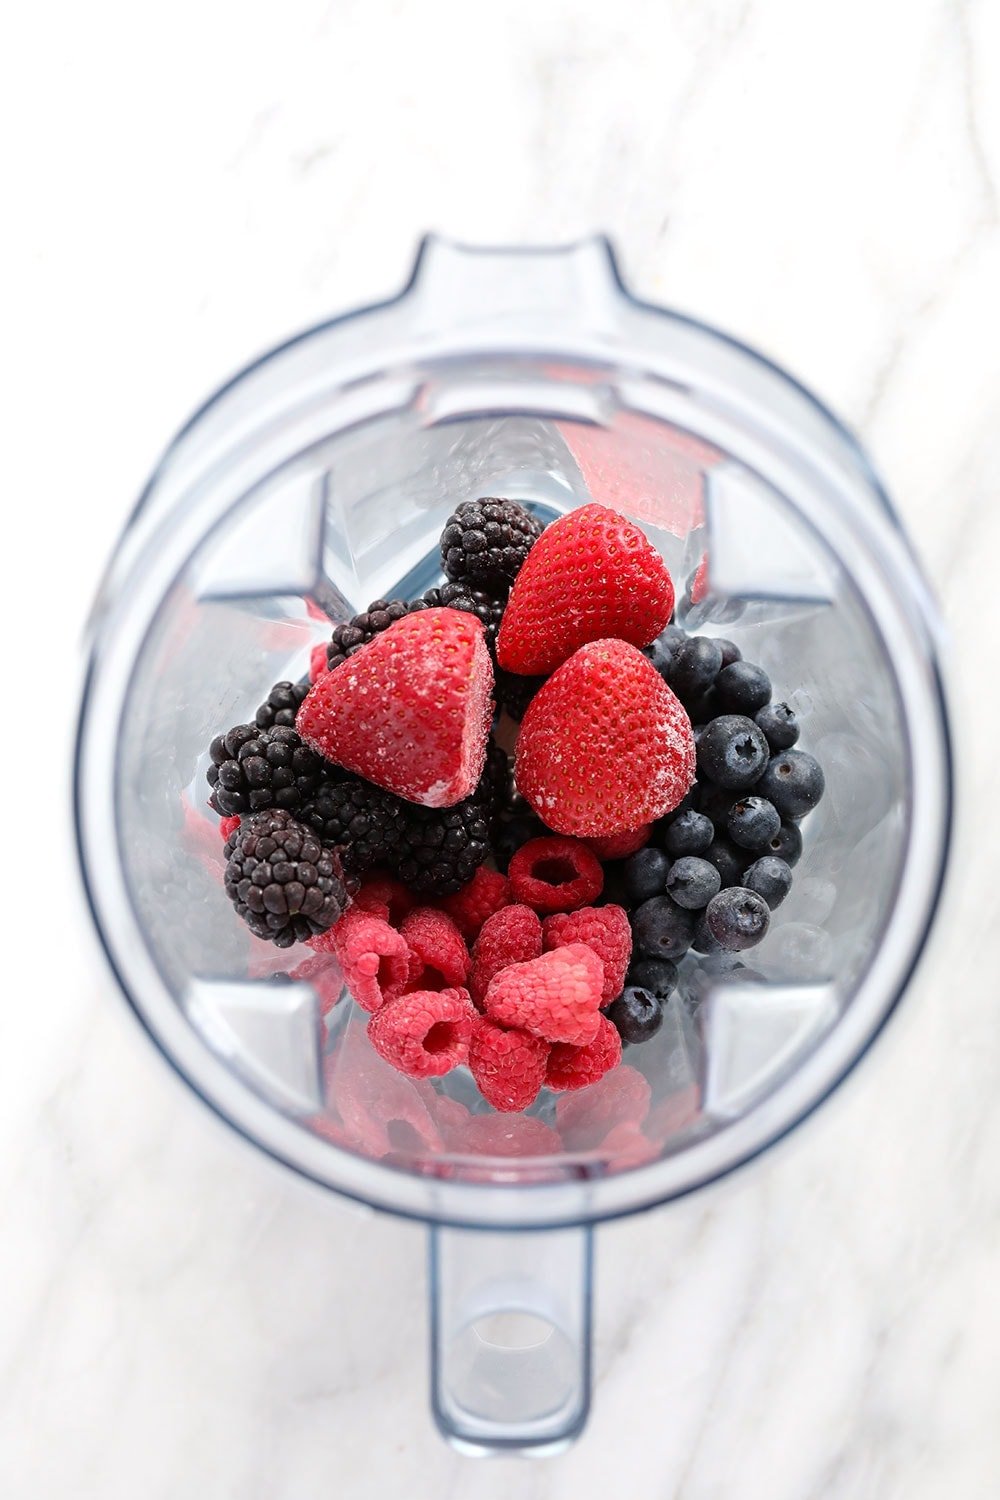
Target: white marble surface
190, 183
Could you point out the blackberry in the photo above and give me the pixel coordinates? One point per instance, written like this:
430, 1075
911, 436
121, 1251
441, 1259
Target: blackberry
514, 692
512, 833
440, 849
281, 705
283, 883
352, 634
486, 542
496, 783
476, 602
363, 823
253, 769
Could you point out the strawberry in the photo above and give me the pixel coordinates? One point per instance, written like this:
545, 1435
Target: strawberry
411, 710
590, 575
605, 745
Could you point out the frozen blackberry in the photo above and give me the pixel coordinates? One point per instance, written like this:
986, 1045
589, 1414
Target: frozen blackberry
486, 541
352, 634
281, 705
283, 883
496, 783
364, 823
441, 848
485, 606
512, 833
514, 692
253, 769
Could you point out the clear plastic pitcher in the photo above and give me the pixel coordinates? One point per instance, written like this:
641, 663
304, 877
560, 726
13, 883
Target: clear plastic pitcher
320, 479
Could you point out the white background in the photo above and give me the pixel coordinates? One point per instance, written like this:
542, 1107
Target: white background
184, 185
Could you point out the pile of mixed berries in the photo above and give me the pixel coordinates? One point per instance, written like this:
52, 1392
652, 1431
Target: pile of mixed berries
506, 810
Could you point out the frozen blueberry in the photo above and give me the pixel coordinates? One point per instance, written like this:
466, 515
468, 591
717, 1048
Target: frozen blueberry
715, 803
657, 975
752, 822
694, 667
737, 918
742, 688
661, 651
780, 726
661, 929
794, 782
728, 859
770, 877
691, 833
692, 882
730, 651
786, 844
702, 940
733, 751
644, 873
636, 1014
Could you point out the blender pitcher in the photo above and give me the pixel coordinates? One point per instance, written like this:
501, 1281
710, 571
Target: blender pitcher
320, 479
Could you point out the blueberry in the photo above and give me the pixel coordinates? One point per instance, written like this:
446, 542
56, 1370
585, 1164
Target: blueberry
794, 782
730, 651
695, 666
780, 726
737, 918
786, 844
728, 859
657, 975
644, 873
770, 877
661, 651
702, 940
742, 688
693, 882
733, 751
691, 833
661, 929
715, 803
753, 822
636, 1014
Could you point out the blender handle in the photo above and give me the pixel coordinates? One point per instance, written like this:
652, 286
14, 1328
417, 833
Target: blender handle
510, 1326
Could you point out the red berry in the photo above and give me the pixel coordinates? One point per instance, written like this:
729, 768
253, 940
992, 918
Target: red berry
507, 1135
625, 1145
605, 930
699, 583
424, 1034
605, 745
511, 936
318, 666
228, 826
382, 1111
411, 710
584, 1118
508, 1065
375, 958
621, 845
325, 975
385, 896
469, 908
440, 959
590, 575
555, 874
556, 996
576, 1067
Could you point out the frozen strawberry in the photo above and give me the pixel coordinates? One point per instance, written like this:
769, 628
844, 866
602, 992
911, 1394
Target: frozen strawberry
555, 874
511, 936
411, 710
484, 894
605, 744
375, 958
590, 575
425, 1033
605, 930
699, 583
439, 958
621, 845
556, 996
576, 1067
508, 1065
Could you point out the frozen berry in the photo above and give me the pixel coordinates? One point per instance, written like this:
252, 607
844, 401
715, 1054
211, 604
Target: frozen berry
620, 845
514, 692
794, 782
737, 918
483, 895
728, 858
694, 667
361, 820
281, 705
556, 996
702, 940
657, 975
512, 935
486, 541
716, 803
637, 1015
439, 958
374, 957
752, 822
769, 877
514, 832
283, 883
742, 688
606, 930
661, 651
440, 849
692, 882
733, 751
253, 769
644, 874
730, 651
555, 874
508, 1064
689, 833
780, 725
578, 1067
661, 929
786, 844
424, 1034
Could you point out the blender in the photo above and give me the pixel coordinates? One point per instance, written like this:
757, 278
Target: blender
320, 478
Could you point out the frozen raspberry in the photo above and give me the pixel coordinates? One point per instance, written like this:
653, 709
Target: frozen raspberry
584, 1117
621, 845
439, 958
325, 975
511, 936
411, 710
556, 996
576, 1067
606, 930
375, 957
228, 826
555, 874
508, 1065
384, 896
480, 898
382, 1111
605, 744
591, 574
626, 1145
507, 1135
317, 663
425, 1033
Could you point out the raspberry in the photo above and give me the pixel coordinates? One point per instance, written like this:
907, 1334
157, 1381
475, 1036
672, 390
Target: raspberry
507, 1135
591, 574
620, 845
625, 1145
605, 745
439, 959
508, 1066
385, 897
228, 826
374, 957
425, 1033
412, 711
382, 1111
584, 1118
555, 874
556, 996
576, 1067
325, 975
317, 663
604, 929
511, 936
486, 541
482, 897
